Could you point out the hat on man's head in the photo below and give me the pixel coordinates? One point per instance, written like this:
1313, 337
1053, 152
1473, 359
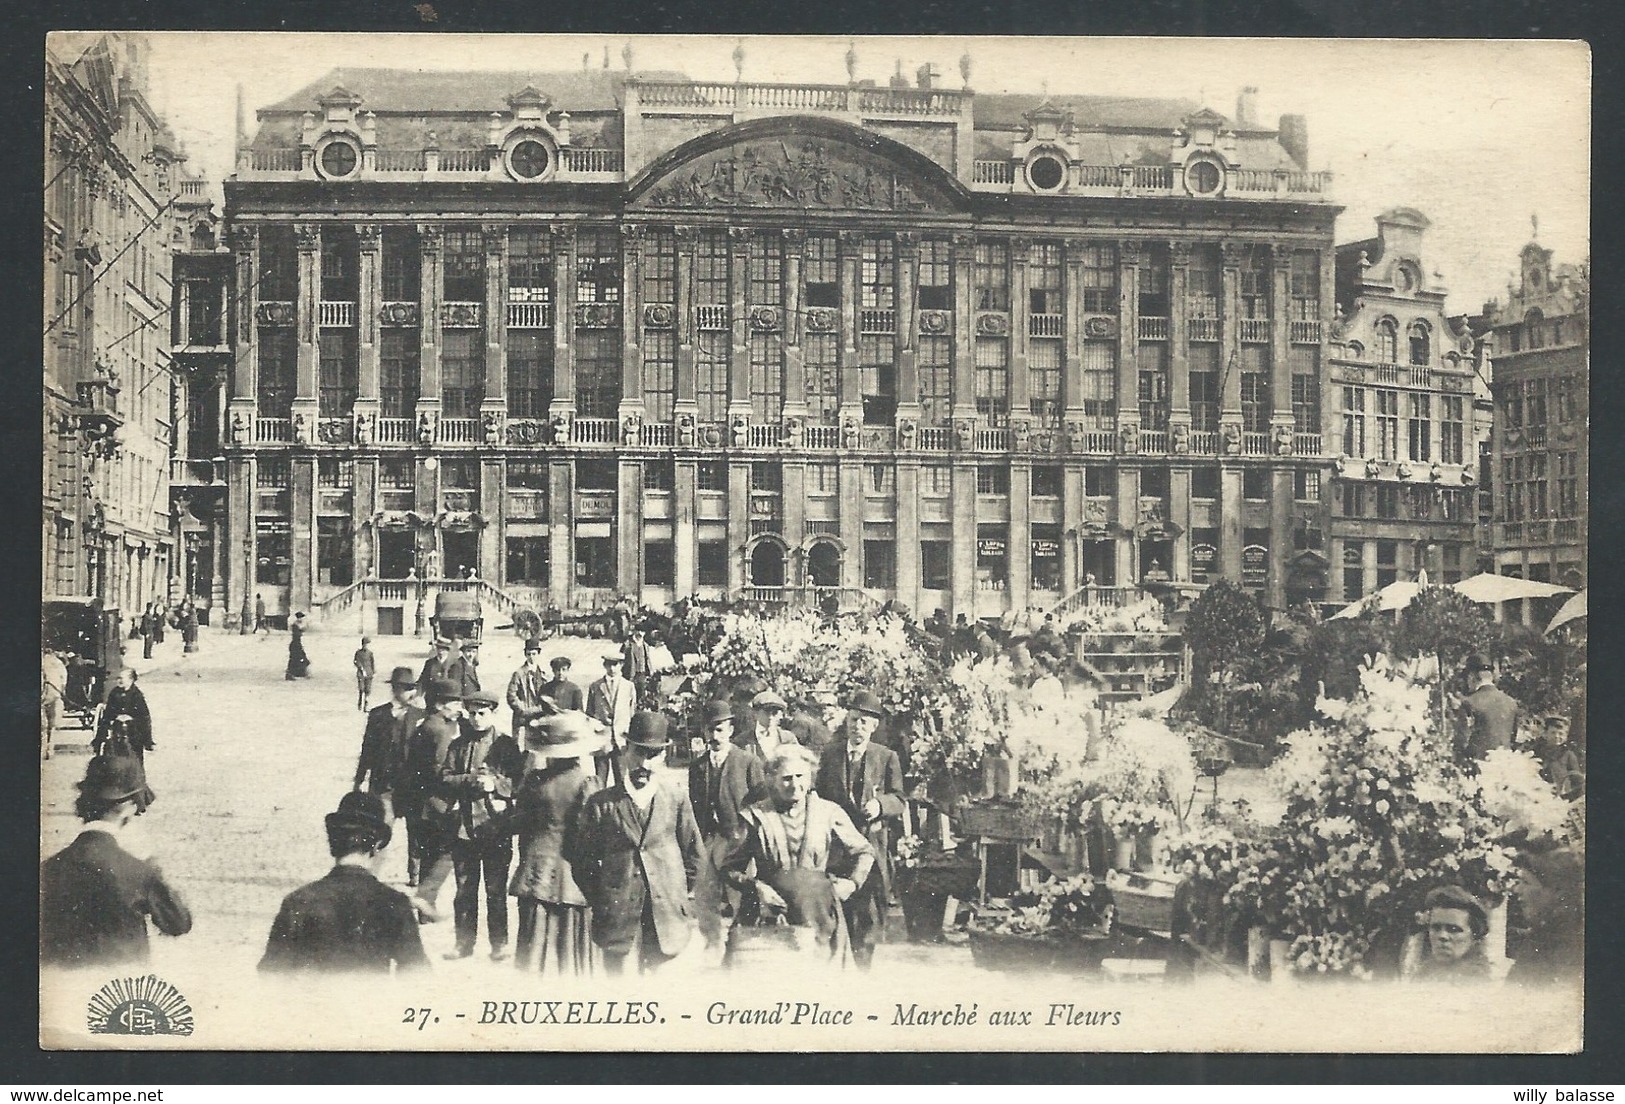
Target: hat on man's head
767, 699
444, 642
532, 646
469, 643
481, 699
864, 701
363, 812
567, 735
612, 657
112, 778
443, 690
1478, 661
1455, 897
648, 730
559, 663
402, 676
366, 640
715, 712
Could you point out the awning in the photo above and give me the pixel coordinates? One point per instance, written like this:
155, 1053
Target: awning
1573, 610
1487, 588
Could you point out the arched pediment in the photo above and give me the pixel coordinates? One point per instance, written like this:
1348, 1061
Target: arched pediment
797, 163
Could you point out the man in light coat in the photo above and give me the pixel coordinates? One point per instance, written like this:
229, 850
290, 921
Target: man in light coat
612, 700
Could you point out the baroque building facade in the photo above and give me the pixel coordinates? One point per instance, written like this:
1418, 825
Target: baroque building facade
1402, 377
112, 173
601, 333
1538, 343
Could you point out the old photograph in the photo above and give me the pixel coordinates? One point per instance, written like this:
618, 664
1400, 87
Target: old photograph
700, 543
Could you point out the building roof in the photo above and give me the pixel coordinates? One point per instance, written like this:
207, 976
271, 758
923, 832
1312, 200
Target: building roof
998, 111
415, 90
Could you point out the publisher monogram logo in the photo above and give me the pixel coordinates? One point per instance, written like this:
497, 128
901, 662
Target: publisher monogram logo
139, 1006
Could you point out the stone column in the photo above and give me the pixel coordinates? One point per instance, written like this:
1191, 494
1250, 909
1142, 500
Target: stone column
964, 347
245, 366
1072, 350
309, 238
495, 399
1072, 487
963, 573
1280, 535
240, 553
629, 529
684, 539
739, 252
368, 303
1131, 253
907, 553
493, 538
1179, 512
633, 236
851, 255
561, 533
795, 365
1230, 517
1281, 334
564, 322
1230, 331
1020, 549
1020, 324
429, 263
302, 511
1179, 335
1128, 516
793, 518
738, 521
686, 400
850, 481
908, 278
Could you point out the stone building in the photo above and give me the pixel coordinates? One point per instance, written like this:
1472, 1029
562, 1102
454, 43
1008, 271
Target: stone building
1402, 382
111, 173
598, 333
1539, 345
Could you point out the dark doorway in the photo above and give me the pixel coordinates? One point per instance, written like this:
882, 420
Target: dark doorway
395, 558
461, 553
824, 565
767, 565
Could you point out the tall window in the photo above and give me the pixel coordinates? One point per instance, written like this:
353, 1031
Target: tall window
878, 374
463, 258
1568, 484
1099, 381
1537, 485
530, 265
462, 373
1387, 335
401, 265
818, 351
338, 365
398, 367
335, 551
1512, 488
1044, 379
766, 289
1255, 282
1044, 279
1305, 284
993, 380
527, 561
1419, 426
1100, 278
877, 273
659, 374
1256, 400
711, 346
1154, 386
1204, 386
530, 372
598, 372
1153, 281
659, 270
936, 275
598, 265
822, 271
992, 272
340, 261
1387, 424
1452, 428
1421, 344
936, 374
279, 264
1204, 285
278, 352
823, 479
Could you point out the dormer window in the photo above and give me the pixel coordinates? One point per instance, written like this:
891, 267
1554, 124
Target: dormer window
529, 159
1203, 177
1046, 172
339, 159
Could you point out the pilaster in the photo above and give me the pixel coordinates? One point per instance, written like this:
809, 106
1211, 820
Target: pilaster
564, 324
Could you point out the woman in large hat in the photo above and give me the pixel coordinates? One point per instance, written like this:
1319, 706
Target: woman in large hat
554, 920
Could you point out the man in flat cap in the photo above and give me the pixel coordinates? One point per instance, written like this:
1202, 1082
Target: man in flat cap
767, 729
560, 690
448, 663
636, 855
721, 782
478, 776
1489, 714
612, 700
348, 920
96, 897
423, 805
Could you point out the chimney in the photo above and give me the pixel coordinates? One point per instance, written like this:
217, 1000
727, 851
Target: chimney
1247, 108
897, 78
242, 118
926, 76
1294, 138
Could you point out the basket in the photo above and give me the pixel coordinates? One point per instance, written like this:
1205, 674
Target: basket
1144, 901
1003, 820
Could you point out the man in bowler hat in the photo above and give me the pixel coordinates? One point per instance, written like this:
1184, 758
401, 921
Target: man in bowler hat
381, 767
96, 897
348, 920
636, 854
1489, 714
430, 863
448, 663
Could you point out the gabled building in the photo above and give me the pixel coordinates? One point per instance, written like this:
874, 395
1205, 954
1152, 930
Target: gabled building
597, 333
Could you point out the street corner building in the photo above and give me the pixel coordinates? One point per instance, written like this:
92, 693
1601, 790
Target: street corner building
609, 332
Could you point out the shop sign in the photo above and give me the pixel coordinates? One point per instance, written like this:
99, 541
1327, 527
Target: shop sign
1204, 557
991, 547
595, 504
1045, 549
1255, 565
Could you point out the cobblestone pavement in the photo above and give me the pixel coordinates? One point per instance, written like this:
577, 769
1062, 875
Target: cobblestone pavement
247, 764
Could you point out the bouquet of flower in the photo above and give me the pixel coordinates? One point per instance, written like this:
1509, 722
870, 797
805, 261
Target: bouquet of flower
1511, 788
1144, 616
908, 851
1128, 819
1060, 908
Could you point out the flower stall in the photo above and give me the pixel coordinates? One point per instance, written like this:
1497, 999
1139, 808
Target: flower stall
1130, 651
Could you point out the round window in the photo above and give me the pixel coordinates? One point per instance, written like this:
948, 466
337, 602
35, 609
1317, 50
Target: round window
529, 159
1203, 178
1046, 173
338, 159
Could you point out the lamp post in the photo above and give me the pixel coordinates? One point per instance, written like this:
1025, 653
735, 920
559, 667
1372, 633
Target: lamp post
246, 622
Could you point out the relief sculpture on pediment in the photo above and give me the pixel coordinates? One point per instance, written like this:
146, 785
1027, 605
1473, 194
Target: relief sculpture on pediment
792, 172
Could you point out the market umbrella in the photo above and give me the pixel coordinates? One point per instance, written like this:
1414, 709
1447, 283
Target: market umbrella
1488, 589
1394, 596
1573, 610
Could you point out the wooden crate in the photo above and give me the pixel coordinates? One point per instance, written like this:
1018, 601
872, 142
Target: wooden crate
1143, 900
1000, 820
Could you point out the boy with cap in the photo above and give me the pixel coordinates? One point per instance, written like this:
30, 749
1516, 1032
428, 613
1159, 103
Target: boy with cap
348, 920
365, 667
611, 700
478, 776
448, 663
430, 862
95, 897
560, 690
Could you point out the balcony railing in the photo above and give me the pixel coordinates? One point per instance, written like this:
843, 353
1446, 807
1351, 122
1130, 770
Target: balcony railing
1305, 331
1111, 596
993, 172
400, 160
823, 437
593, 160
1204, 442
273, 431
395, 431
461, 314
530, 316
1255, 444
1099, 442
1255, 330
873, 320
1204, 329
762, 436
526, 504
1099, 176
458, 431
1046, 325
335, 312
1566, 529
1153, 177
1153, 328
1306, 444
992, 439
1154, 441
711, 316
465, 160
274, 160
594, 431
801, 97
935, 438
196, 473
657, 435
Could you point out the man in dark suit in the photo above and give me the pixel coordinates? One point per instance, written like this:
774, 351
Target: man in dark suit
865, 779
560, 690
448, 663
95, 897
348, 920
635, 856
721, 782
1489, 714
381, 767
478, 776
526, 689
421, 806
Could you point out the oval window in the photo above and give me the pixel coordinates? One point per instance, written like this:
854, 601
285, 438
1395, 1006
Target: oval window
1203, 178
338, 159
1046, 173
529, 159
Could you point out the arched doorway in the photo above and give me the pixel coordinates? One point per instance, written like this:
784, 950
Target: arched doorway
824, 565
767, 564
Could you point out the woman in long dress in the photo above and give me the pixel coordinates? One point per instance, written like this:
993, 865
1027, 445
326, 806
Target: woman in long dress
298, 661
124, 730
554, 920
